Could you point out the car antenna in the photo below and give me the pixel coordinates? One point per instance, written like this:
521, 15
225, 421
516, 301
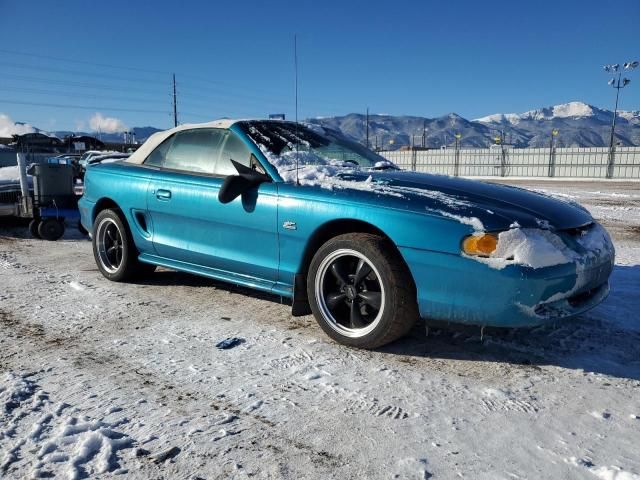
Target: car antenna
295, 67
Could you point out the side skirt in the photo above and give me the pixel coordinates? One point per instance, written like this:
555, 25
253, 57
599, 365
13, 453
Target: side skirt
276, 288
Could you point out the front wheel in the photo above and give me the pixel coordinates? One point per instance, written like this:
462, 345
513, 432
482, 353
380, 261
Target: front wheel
113, 248
360, 291
51, 229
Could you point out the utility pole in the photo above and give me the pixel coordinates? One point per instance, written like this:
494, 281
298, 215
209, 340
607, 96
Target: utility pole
618, 84
367, 127
175, 103
424, 132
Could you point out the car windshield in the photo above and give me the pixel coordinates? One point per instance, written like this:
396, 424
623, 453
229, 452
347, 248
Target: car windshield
286, 144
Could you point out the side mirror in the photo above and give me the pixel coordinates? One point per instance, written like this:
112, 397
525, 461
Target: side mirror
235, 185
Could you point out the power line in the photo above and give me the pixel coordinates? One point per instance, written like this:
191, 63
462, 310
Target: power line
78, 95
75, 72
82, 107
84, 62
77, 84
128, 68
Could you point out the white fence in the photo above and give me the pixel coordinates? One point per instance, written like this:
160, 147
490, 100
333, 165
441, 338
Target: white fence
523, 162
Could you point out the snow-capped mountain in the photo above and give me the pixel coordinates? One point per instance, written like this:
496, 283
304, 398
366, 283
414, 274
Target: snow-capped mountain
579, 125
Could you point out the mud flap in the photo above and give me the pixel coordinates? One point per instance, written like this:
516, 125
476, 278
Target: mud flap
300, 305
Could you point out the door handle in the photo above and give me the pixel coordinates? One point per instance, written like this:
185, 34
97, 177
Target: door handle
163, 194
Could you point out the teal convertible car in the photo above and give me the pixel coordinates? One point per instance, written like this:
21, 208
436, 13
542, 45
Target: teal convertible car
303, 212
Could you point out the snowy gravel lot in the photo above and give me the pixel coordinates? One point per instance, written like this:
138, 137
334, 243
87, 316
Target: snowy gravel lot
99, 379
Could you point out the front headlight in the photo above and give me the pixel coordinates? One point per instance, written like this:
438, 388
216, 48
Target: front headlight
480, 244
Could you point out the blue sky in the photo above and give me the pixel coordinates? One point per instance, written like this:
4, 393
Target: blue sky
236, 58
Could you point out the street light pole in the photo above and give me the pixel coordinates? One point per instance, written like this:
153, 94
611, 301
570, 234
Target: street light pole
617, 83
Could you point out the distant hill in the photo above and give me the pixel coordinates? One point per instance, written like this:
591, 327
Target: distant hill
579, 125
141, 134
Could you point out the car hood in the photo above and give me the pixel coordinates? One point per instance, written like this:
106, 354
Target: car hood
497, 206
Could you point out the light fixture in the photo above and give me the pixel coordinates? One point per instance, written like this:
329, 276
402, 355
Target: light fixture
483, 244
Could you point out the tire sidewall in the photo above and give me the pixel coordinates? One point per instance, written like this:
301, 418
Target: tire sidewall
33, 228
381, 263
123, 270
46, 232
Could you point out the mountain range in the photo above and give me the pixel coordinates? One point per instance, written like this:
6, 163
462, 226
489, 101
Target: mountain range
578, 125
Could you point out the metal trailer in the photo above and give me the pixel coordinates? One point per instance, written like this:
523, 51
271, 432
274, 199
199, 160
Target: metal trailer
53, 201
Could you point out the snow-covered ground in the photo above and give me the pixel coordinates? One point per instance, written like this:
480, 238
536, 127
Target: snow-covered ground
99, 379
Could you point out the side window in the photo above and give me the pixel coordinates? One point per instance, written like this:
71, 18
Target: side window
156, 158
235, 149
190, 151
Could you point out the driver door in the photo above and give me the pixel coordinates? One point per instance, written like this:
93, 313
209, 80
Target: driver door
192, 227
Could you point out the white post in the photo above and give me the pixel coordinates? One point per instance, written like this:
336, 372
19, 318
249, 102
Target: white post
22, 169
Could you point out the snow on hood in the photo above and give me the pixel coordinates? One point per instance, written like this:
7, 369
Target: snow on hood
537, 248
314, 170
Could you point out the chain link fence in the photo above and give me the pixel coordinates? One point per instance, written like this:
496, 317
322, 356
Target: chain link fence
506, 161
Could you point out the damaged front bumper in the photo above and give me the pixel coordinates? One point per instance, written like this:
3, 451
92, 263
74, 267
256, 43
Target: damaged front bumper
456, 289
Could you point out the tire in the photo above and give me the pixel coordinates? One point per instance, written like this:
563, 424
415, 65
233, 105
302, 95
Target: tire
33, 228
360, 291
51, 229
113, 248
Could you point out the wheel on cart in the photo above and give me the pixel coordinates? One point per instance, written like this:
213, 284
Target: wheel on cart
51, 229
81, 228
33, 228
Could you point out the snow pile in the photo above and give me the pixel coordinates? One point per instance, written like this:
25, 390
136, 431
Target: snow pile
533, 247
538, 248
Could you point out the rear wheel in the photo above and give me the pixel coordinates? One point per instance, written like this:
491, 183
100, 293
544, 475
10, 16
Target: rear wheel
33, 228
360, 291
114, 250
51, 229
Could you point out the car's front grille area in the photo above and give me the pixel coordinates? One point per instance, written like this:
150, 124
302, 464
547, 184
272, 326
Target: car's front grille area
9, 197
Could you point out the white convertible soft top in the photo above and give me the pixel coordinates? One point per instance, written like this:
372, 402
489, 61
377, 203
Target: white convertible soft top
157, 138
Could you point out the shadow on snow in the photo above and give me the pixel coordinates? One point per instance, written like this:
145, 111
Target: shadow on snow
605, 340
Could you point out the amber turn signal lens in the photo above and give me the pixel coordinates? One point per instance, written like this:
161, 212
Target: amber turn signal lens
484, 244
